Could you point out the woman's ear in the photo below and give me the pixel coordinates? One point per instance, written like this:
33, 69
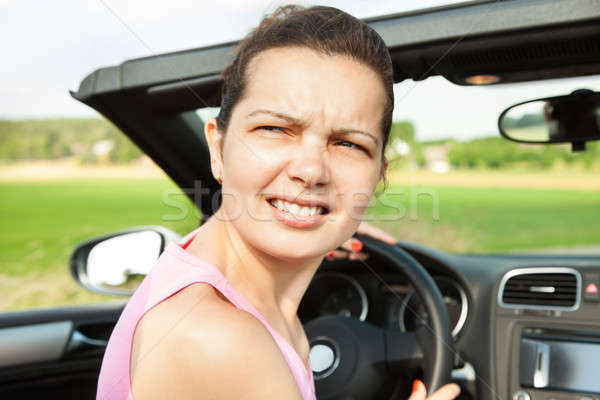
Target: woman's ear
382, 178
384, 168
214, 138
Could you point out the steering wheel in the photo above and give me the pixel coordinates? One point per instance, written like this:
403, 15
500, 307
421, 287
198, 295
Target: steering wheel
352, 359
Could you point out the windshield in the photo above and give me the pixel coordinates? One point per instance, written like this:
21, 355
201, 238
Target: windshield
455, 184
465, 189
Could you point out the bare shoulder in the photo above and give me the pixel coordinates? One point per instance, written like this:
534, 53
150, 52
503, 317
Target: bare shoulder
198, 345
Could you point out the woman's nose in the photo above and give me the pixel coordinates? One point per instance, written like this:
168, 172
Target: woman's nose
309, 166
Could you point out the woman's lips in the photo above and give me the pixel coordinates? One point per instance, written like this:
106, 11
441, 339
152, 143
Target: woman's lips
296, 220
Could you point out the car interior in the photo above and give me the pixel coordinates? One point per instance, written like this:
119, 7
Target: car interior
502, 326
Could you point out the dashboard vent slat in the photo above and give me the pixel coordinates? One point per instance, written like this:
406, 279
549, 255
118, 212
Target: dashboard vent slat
540, 288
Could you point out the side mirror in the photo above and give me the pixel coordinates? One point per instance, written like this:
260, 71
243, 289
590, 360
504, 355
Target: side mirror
574, 118
116, 263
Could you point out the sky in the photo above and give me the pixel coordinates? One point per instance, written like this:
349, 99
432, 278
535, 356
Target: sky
49, 47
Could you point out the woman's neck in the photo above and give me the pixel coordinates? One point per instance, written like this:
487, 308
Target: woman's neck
272, 285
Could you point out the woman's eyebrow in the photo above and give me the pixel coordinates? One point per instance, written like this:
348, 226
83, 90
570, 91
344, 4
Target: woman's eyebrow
344, 131
285, 117
299, 122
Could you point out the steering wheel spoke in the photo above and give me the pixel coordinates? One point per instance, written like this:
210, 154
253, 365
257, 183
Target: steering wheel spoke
403, 350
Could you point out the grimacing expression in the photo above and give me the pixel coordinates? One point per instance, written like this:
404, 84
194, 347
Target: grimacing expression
302, 153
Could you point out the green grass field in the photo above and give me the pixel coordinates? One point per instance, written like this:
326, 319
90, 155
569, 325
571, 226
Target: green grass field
484, 220
43, 221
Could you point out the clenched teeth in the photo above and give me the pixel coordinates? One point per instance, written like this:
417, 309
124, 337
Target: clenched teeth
296, 209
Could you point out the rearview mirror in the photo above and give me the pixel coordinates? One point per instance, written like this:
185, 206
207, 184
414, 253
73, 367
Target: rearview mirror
574, 118
117, 263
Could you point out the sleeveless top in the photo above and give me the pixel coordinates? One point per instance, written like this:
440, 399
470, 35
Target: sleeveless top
176, 269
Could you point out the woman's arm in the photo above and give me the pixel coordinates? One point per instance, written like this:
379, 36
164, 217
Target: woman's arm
216, 352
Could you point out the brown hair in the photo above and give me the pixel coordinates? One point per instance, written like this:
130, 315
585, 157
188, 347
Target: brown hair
327, 30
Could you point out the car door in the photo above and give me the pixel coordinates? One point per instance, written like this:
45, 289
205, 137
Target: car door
54, 353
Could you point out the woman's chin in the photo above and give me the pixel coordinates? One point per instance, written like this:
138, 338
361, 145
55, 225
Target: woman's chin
308, 246
297, 246
298, 255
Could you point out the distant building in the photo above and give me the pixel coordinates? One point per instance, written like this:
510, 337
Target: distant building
145, 161
401, 148
436, 158
77, 148
101, 149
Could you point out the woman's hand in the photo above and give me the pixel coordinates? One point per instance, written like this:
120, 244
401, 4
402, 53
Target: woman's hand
351, 248
446, 392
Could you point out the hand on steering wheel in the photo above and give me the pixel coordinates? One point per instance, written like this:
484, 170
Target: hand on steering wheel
446, 392
352, 247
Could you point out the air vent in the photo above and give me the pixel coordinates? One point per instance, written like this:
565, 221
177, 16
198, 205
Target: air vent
575, 49
541, 288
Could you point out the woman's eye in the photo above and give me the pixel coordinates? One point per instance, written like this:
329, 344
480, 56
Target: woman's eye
346, 143
271, 128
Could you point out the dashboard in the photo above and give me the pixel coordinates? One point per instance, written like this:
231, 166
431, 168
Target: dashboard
333, 292
514, 318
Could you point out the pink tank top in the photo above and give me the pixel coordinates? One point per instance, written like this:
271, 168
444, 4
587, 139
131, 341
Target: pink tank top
175, 270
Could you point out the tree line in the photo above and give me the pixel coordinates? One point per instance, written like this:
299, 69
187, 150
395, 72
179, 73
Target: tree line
498, 153
49, 139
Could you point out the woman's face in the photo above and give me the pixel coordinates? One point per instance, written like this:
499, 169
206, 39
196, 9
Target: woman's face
302, 153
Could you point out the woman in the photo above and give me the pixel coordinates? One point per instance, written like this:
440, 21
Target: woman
298, 148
